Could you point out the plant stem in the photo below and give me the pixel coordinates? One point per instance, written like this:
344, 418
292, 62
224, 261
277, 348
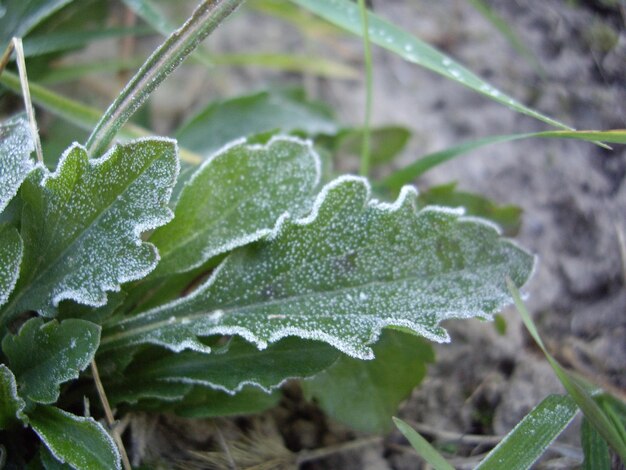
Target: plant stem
367, 53
109, 415
207, 16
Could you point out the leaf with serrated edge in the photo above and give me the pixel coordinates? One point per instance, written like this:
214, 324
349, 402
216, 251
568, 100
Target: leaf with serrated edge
16, 145
242, 364
77, 441
341, 274
45, 355
11, 250
11, 404
235, 198
82, 224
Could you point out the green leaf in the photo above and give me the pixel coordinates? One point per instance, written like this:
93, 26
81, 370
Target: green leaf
521, 447
19, 16
597, 416
11, 404
386, 143
49, 462
80, 442
422, 165
422, 446
236, 198
16, 145
160, 391
596, 450
340, 275
45, 355
11, 251
242, 364
82, 224
207, 403
507, 217
345, 14
366, 394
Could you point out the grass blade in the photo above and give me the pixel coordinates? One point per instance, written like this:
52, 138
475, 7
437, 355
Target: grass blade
596, 451
407, 174
422, 446
367, 57
521, 447
345, 14
592, 411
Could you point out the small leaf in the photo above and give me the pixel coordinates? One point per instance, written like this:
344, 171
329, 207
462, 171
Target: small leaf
422, 446
596, 450
366, 394
77, 441
236, 198
207, 403
342, 274
242, 364
11, 404
82, 224
16, 145
45, 355
11, 250
386, 143
521, 447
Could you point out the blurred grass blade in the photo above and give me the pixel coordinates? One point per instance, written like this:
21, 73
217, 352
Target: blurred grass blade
65, 72
290, 63
205, 18
79, 114
367, 59
148, 12
422, 446
63, 41
596, 451
407, 174
521, 447
501, 25
346, 15
592, 411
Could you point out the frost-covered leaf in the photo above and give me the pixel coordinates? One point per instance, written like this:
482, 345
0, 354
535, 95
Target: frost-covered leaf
82, 224
80, 442
207, 403
366, 394
49, 462
16, 145
11, 404
242, 364
342, 274
45, 355
153, 390
11, 250
236, 198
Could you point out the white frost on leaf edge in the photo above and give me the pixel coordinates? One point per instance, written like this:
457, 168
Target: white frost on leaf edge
264, 232
363, 351
19, 414
137, 229
82, 419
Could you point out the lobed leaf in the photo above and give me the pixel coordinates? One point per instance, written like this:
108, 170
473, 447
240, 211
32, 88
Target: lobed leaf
366, 394
11, 251
77, 441
342, 274
45, 355
16, 145
521, 447
241, 365
235, 198
11, 404
82, 224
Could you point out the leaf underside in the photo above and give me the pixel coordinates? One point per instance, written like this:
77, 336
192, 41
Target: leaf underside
81, 224
342, 274
234, 199
45, 355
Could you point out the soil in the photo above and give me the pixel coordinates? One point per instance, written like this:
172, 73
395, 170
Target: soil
573, 196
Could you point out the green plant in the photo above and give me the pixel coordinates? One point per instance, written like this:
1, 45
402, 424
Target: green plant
200, 286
